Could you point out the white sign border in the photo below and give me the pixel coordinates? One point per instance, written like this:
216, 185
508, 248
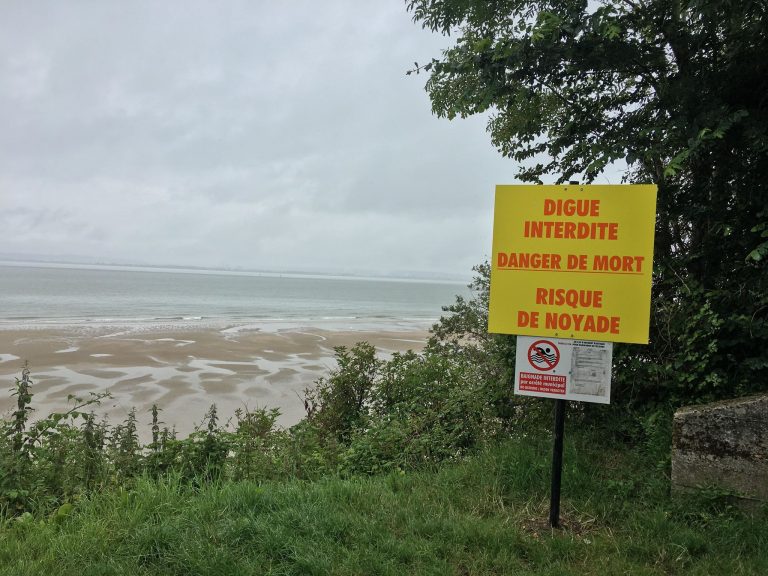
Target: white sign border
563, 367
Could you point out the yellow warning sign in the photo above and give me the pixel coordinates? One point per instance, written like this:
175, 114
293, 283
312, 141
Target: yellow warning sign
573, 261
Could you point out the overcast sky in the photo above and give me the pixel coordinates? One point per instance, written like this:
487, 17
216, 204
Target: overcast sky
266, 135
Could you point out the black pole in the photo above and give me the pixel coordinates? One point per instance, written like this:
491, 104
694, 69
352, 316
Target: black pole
557, 454
557, 465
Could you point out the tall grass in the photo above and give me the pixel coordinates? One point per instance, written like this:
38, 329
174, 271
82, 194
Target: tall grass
480, 516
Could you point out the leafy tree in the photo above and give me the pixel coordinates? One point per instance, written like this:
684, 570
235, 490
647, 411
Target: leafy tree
677, 90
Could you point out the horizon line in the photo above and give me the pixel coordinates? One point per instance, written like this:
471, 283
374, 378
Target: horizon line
187, 269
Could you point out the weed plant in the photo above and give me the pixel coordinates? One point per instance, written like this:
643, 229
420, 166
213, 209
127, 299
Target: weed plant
368, 416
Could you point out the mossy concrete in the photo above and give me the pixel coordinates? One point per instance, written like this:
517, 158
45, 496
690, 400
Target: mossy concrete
724, 444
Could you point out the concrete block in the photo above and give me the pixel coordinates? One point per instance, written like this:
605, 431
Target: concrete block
723, 444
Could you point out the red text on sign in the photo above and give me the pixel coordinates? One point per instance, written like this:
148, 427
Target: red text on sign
619, 263
572, 298
529, 260
548, 383
571, 207
571, 230
582, 323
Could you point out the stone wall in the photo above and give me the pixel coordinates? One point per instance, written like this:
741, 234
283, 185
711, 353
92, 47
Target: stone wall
723, 444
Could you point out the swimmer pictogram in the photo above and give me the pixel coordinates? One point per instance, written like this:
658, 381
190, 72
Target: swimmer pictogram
543, 355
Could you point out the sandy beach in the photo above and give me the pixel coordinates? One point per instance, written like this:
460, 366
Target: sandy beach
181, 369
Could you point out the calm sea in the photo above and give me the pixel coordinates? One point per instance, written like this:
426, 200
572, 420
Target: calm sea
43, 295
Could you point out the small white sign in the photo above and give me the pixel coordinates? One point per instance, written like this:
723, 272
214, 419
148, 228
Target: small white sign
565, 369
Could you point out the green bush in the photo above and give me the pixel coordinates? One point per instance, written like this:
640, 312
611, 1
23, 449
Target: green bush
338, 404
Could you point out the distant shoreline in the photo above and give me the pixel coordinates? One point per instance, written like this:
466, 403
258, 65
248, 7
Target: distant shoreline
86, 325
52, 296
170, 269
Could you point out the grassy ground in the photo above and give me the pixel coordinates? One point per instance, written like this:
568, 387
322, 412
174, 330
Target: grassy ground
482, 516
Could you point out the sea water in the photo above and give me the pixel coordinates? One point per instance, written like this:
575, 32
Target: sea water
43, 295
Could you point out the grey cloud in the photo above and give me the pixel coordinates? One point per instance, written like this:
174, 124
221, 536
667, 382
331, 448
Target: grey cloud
239, 134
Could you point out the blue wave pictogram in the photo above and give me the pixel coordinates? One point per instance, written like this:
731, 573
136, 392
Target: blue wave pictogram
543, 356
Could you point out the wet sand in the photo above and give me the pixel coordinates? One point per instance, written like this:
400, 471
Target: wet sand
182, 370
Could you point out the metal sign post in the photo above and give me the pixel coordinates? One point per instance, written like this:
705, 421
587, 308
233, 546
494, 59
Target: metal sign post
557, 465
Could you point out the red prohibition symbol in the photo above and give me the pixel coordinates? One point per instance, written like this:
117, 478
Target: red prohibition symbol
543, 355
